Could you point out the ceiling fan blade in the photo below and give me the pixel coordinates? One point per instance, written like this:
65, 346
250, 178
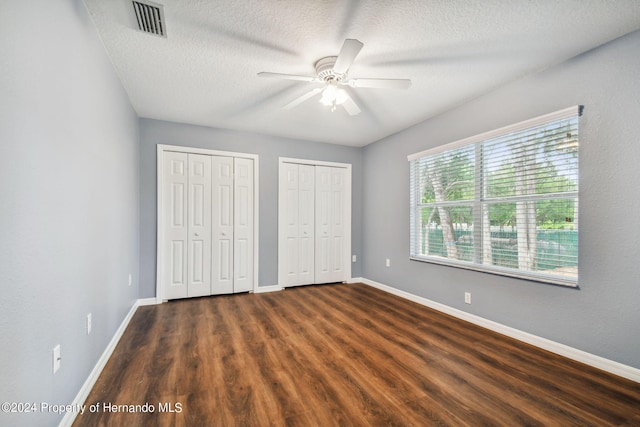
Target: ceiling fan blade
351, 107
302, 98
348, 53
380, 83
287, 77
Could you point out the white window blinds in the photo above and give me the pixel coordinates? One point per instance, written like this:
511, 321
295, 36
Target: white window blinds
504, 201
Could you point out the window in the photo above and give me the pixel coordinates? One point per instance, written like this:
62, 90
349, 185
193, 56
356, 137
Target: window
504, 202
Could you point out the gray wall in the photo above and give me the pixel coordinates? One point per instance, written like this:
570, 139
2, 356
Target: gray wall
69, 204
153, 132
602, 317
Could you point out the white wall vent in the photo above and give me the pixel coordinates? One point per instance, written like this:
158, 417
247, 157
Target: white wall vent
150, 17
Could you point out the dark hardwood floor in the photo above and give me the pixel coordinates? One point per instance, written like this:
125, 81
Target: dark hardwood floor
347, 355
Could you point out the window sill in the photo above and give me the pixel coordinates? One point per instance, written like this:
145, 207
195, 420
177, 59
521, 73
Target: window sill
534, 276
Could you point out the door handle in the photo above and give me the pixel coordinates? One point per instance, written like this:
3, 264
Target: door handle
196, 234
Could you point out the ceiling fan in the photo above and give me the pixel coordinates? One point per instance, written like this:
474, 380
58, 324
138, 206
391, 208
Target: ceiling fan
332, 71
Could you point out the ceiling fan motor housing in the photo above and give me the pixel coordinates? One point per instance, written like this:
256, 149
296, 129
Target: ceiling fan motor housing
325, 72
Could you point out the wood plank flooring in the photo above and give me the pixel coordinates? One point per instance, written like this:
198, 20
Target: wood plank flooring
341, 355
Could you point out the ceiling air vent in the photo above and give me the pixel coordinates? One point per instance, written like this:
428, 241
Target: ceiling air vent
150, 17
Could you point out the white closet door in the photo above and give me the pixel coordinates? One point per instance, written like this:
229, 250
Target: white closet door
175, 224
338, 218
288, 225
330, 227
323, 256
199, 211
306, 221
206, 218
222, 225
243, 225
296, 223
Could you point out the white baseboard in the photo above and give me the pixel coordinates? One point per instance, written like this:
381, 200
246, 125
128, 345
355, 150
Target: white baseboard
610, 366
263, 289
82, 395
148, 301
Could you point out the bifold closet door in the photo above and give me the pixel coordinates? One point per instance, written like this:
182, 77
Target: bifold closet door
330, 224
187, 218
232, 225
296, 224
222, 225
199, 226
243, 229
208, 224
311, 223
174, 213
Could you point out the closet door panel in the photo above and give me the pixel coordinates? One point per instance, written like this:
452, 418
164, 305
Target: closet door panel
243, 225
337, 215
323, 258
288, 206
199, 208
306, 225
222, 225
175, 228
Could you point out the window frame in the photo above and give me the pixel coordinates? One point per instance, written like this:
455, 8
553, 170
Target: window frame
480, 201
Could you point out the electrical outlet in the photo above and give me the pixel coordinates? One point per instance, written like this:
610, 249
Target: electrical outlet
129, 279
56, 358
88, 323
467, 297
388, 263
353, 258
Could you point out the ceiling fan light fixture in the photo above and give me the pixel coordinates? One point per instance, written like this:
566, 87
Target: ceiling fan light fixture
341, 96
332, 96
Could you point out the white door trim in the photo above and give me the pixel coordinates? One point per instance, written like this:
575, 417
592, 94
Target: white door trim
313, 162
161, 149
347, 203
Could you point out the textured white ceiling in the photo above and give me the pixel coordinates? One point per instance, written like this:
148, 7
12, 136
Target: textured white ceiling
204, 72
